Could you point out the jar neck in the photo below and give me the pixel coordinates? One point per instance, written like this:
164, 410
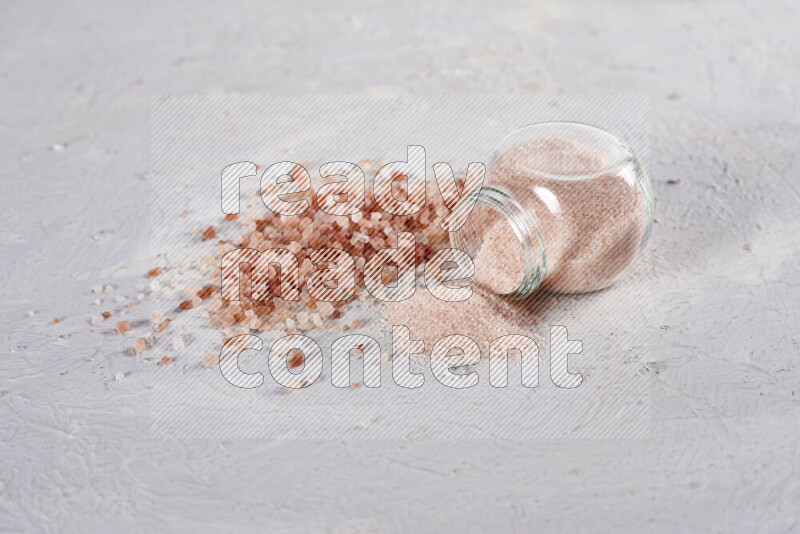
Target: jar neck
468, 237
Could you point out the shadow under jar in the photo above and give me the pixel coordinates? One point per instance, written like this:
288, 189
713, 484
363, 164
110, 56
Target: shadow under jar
565, 207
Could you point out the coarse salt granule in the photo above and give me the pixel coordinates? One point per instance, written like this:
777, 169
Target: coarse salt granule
210, 360
123, 326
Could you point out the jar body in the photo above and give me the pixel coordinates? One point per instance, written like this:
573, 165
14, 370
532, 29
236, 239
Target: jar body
565, 207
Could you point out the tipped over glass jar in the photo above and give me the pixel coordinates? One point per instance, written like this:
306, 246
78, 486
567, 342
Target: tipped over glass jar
565, 207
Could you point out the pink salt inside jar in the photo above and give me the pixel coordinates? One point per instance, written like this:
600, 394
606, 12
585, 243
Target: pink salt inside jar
588, 210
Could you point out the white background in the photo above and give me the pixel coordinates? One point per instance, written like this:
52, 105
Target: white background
76, 81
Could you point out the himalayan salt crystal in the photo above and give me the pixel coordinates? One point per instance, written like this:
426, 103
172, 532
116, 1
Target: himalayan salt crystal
316, 320
119, 376
107, 314
166, 360
355, 324
96, 319
205, 292
228, 319
177, 343
325, 309
139, 346
155, 271
302, 317
296, 359
209, 233
210, 360
185, 305
123, 326
196, 301
56, 320
157, 316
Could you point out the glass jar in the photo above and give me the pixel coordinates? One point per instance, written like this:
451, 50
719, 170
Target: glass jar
565, 207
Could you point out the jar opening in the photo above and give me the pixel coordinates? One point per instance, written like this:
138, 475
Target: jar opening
504, 244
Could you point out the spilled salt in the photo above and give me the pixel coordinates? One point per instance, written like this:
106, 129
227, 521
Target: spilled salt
483, 317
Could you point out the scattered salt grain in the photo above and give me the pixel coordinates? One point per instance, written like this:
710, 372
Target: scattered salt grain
210, 360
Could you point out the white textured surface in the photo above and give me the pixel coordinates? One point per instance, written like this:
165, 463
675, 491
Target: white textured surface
724, 455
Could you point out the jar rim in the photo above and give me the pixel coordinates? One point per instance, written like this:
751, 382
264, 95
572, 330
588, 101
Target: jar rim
524, 229
595, 137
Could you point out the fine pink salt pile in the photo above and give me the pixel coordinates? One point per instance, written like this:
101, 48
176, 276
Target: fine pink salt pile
589, 214
483, 317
